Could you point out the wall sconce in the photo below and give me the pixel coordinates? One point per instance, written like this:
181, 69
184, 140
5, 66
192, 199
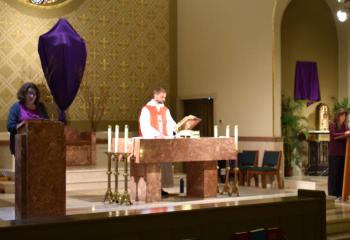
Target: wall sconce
343, 12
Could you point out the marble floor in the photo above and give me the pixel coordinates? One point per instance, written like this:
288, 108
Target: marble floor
79, 202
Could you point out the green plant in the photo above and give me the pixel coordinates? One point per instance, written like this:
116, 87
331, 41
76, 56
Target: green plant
340, 104
294, 131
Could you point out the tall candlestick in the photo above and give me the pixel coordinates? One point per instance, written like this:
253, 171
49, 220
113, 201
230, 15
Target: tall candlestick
109, 133
216, 134
228, 131
126, 135
116, 138
236, 135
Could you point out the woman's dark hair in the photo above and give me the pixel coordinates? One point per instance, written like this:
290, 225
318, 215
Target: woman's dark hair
22, 92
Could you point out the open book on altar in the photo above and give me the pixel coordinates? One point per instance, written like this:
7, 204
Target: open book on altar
187, 124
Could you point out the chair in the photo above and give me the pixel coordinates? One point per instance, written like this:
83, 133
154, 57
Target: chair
246, 159
270, 166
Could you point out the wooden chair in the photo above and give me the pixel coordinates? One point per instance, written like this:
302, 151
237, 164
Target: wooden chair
270, 166
247, 159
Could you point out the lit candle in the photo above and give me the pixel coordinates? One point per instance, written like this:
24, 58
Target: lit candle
126, 135
109, 138
216, 131
116, 138
228, 131
236, 135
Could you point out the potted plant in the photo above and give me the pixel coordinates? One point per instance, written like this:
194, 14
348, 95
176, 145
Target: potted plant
341, 104
294, 132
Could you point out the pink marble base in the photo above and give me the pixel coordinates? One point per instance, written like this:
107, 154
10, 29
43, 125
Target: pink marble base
78, 155
80, 147
199, 155
147, 182
201, 179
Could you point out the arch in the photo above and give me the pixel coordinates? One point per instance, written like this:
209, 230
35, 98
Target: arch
279, 7
53, 10
278, 11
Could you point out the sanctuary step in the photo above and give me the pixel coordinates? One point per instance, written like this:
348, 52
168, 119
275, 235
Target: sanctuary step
338, 222
341, 236
9, 173
7, 186
85, 178
81, 179
310, 183
306, 182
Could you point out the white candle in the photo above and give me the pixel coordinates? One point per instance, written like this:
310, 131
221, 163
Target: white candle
116, 138
228, 131
216, 131
126, 135
236, 135
109, 138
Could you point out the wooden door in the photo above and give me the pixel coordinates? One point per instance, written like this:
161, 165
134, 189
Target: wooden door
204, 109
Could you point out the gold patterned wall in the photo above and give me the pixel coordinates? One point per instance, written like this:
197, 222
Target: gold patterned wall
128, 52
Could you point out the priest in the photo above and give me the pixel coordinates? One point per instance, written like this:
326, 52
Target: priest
156, 122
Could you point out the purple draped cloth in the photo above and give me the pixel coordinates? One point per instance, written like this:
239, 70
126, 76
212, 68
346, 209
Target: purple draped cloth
63, 56
306, 85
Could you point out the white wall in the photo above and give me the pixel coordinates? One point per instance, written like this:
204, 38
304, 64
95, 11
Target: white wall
309, 34
230, 49
225, 51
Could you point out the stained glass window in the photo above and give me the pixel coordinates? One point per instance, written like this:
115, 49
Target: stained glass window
44, 2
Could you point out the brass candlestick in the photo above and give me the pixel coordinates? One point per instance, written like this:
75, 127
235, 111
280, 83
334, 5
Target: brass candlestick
235, 188
125, 197
109, 194
217, 187
116, 194
227, 186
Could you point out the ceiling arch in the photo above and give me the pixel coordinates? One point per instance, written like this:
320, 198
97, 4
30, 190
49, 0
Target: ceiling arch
54, 9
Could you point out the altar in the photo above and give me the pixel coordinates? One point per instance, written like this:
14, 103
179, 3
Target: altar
200, 156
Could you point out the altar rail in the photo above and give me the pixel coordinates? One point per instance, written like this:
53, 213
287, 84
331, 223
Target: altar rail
302, 217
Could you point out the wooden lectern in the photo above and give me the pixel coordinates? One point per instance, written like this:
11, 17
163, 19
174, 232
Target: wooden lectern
40, 185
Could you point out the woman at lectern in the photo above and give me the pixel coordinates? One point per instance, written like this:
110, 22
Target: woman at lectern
28, 107
336, 152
